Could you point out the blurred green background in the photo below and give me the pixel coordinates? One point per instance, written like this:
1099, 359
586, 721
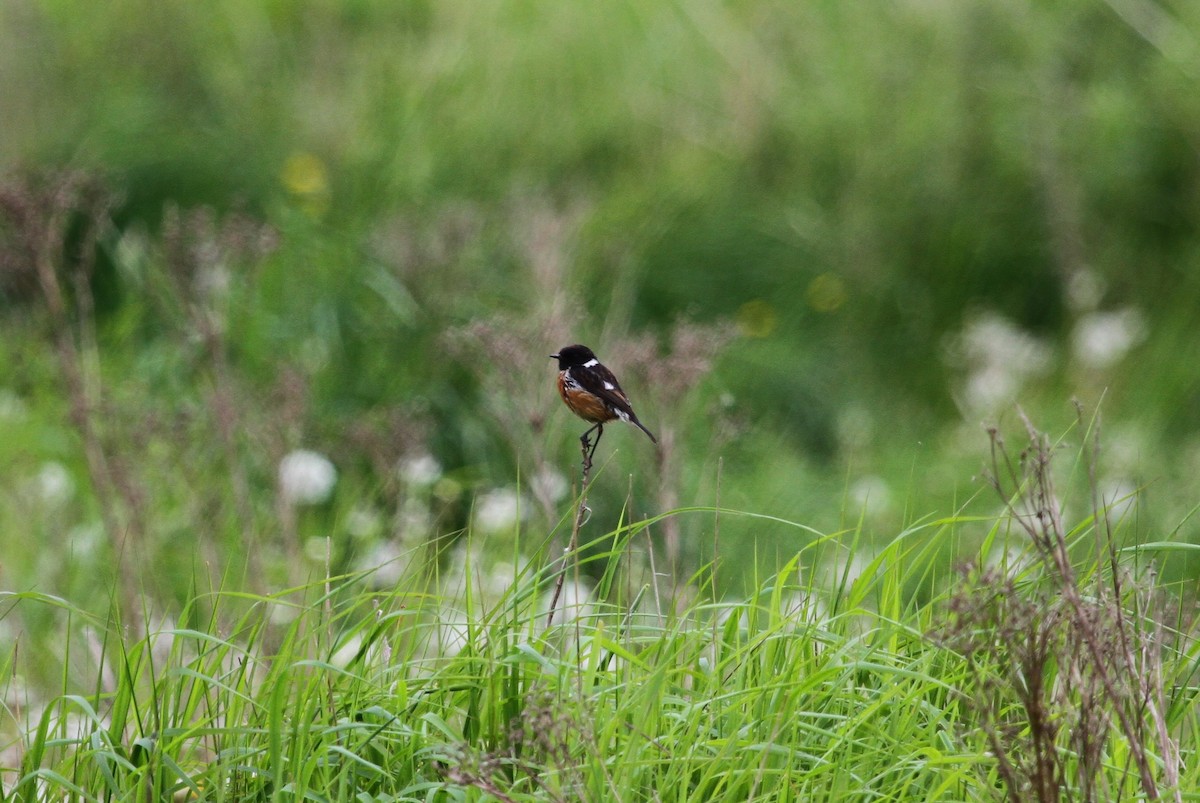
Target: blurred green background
820, 242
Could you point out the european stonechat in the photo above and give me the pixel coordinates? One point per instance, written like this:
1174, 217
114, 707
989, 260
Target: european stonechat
592, 392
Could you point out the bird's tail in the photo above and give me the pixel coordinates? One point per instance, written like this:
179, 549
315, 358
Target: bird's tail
633, 420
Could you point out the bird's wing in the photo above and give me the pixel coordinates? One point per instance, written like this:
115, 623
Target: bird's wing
599, 380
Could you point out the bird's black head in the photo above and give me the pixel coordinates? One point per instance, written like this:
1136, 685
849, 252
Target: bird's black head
572, 355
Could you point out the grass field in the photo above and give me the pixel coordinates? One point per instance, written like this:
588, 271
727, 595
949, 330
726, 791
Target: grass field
285, 485
1055, 665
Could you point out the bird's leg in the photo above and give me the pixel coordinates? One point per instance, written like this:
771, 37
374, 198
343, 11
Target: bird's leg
595, 443
589, 448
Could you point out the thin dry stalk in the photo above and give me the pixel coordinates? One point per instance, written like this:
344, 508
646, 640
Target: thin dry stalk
40, 213
544, 737
290, 401
200, 251
656, 585
582, 513
1009, 641
1155, 687
464, 777
1100, 675
509, 354
717, 526
667, 376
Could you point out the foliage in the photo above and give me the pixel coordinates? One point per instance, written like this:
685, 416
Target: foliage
277, 286
809, 688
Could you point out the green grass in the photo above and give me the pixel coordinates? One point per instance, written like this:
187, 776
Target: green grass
803, 690
804, 235
594, 175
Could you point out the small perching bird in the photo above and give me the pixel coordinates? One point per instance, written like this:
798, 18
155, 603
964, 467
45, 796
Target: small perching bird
592, 392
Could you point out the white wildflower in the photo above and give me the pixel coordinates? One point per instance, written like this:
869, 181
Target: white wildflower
54, 483
414, 521
990, 387
871, 493
1101, 339
999, 358
549, 484
993, 339
383, 561
419, 471
306, 477
12, 408
498, 511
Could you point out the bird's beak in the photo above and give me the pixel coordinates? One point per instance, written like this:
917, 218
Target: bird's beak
554, 356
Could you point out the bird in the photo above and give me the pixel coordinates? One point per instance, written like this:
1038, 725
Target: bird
591, 392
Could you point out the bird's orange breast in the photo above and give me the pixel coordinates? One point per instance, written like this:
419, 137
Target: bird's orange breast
586, 405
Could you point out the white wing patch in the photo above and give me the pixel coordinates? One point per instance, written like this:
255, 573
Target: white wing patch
609, 386
592, 363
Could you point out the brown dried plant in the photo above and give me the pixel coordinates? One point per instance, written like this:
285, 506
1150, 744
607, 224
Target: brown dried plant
52, 226
509, 353
545, 737
203, 254
666, 377
383, 437
1059, 670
